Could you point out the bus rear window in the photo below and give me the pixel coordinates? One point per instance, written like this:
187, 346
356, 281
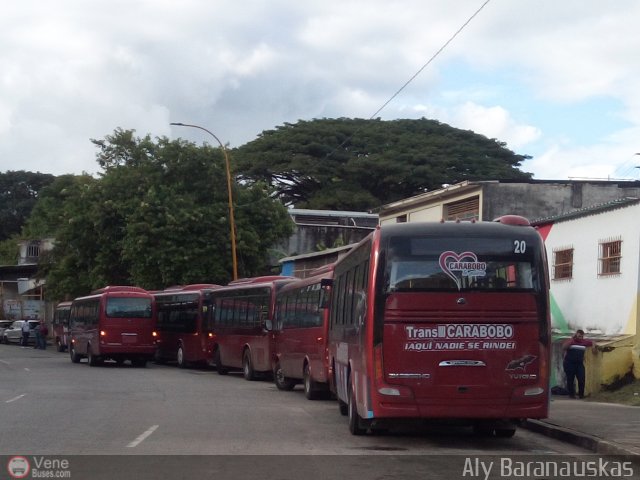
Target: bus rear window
128, 307
427, 263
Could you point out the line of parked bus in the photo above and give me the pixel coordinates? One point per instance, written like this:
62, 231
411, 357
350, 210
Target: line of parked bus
418, 321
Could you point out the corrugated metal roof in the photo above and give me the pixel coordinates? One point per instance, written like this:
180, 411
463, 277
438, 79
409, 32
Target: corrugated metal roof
316, 254
586, 211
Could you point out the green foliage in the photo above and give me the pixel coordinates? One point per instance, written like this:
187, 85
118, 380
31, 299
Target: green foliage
9, 251
354, 164
158, 216
18, 194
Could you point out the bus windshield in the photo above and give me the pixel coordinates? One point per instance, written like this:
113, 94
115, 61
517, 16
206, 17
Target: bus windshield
128, 307
428, 263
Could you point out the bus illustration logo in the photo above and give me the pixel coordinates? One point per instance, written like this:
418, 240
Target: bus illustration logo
18, 467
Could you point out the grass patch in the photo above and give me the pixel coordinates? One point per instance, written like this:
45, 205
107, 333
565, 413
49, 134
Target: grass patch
628, 394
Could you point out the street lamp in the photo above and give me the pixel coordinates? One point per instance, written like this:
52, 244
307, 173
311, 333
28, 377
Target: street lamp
232, 223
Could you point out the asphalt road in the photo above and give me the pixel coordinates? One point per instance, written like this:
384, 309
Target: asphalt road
157, 419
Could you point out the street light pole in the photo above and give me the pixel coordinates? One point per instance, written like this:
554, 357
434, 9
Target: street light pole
232, 223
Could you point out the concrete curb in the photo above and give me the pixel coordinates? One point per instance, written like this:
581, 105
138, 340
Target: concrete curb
581, 439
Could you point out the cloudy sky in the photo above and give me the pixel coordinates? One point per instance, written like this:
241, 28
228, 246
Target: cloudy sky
557, 80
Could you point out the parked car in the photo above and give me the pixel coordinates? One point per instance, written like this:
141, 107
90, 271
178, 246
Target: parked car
13, 334
4, 324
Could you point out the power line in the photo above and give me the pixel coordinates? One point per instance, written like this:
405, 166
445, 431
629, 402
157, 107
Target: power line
431, 59
434, 56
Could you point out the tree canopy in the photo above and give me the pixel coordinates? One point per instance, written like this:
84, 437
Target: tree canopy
157, 216
355, 164
19, 192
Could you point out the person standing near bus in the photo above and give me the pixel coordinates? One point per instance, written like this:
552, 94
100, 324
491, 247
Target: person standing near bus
573, 363
25, 333
36, 332
43, 332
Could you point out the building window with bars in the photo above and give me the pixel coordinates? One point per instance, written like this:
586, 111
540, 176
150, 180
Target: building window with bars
563, 264
467, 209
610, 256
33, 250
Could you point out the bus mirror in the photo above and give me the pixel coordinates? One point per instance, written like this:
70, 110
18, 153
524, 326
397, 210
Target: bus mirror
268, 325
326, 282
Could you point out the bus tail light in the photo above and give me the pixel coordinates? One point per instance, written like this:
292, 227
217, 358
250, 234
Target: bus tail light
378, 372
103, 333
377, 363
382, 386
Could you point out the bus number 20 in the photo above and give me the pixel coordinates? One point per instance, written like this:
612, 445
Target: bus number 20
519, 246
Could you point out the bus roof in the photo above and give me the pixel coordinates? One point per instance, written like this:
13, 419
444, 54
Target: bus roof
457, 229
118, 288
263, 279
195, 286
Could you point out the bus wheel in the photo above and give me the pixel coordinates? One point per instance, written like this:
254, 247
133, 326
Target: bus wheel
310, 387
139, 362
355, 421
282, 382
220, 368
344, 408
247, 367
505, 432
182, 363
75, 358
92, 360
157, 357
483, 429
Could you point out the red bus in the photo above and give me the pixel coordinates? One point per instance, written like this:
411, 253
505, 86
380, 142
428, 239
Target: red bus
185, 325
442, 321
115, 322
300, 333
60, 325
243, 316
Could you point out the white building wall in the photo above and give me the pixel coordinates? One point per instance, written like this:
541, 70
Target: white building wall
589, 301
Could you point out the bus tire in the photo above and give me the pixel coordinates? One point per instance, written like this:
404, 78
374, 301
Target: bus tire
221, 369
139, 362
92, 360
311, 390
180, 357
282, 382
505, 432
247, 368
356, 423
343, 407
158, 359
75, 358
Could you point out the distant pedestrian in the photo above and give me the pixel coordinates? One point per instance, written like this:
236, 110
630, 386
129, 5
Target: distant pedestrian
44, 331
25, 333
573, 362
36, 332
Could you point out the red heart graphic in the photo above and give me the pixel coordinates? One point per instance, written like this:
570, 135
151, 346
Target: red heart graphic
449, 257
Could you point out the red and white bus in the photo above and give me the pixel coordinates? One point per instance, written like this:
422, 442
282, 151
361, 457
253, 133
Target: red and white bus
115, 322
60, 325
185, 325
300, 334
243, 317
442, 321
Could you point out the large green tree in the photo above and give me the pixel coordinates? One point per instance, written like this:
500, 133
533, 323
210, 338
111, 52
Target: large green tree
19, 192
157, 216
354, 164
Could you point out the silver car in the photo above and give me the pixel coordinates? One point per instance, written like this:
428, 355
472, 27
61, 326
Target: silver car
13, 334
4, 324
